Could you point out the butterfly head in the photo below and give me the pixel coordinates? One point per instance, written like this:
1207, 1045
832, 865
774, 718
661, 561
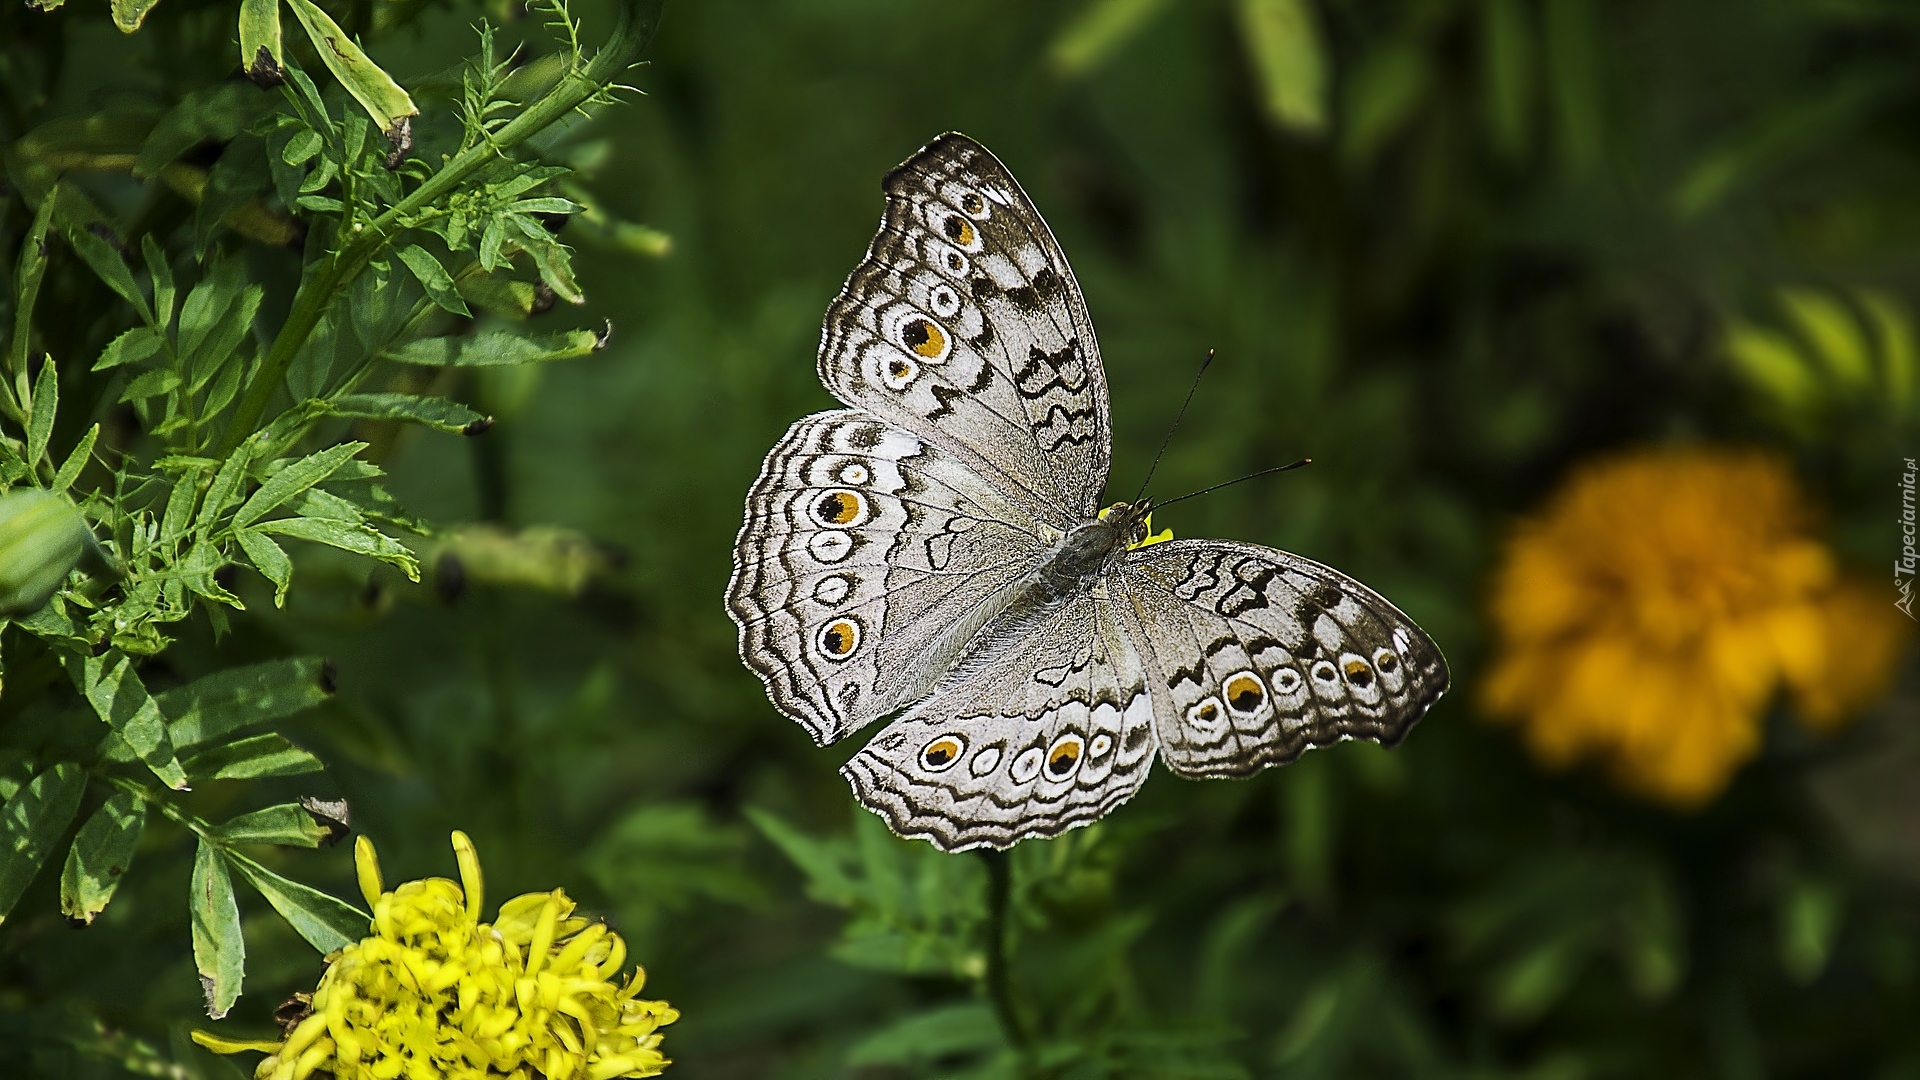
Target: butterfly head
1135, 522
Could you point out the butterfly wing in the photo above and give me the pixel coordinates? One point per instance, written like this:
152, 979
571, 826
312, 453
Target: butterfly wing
964, 325
1050, 732
1257, 655
867, 559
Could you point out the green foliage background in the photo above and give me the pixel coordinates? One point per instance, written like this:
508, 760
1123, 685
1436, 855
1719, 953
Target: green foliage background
1445, 248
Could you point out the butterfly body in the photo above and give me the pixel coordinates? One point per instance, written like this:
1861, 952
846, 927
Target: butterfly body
936, 551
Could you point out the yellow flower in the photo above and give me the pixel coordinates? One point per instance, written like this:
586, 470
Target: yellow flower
436, 993
1647, 617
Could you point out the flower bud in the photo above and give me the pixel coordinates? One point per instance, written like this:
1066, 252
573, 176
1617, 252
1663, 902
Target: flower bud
42, 538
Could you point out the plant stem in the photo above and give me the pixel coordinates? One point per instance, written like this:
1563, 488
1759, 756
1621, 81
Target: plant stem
634, 27
999, 980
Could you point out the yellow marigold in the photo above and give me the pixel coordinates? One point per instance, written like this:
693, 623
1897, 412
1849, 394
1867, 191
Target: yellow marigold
1647, 617
435, 993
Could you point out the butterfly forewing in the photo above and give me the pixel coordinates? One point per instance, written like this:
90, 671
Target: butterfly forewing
1256, 655
863, 545
964, 324
1049, 729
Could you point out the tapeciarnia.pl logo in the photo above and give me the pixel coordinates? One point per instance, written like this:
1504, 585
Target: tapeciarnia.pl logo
1903, 567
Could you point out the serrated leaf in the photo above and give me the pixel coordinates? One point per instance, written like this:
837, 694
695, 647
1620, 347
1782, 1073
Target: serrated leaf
117, 695
219, 951
327, 923
373, 88
31, 822
100, 854
294, 479
135, 345
252, 758
433, 278
358, 539
215, 706
224, 490
69, 470
151, 384
108, 265
162, 273
435, 412
287, 825
270, 559
45, 402
497, 347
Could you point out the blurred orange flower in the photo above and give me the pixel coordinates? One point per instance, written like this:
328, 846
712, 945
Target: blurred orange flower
1646, 618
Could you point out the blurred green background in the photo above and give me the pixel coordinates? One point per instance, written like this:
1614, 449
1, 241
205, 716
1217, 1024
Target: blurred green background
1448, 249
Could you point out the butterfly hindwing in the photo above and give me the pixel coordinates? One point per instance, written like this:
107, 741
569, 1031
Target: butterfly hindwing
1050, 732
1259, 655
964, 325
863, 545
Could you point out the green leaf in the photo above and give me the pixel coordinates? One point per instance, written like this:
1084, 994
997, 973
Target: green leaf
162, 273
69, 470
287, 825
1835, 335
325, 921
240, 174
495, 347
113, 689
219, 952
433, 278
105, 260
261, 53
1099, 31
131, 347
435, 412
28, 274
151, 384
1506, 49
215, 706
100, 854
925, 1037
45, 402
251, 759
293, 480
1283, 39
224, 490
358, 539
212, 114
270, 559
31, 822
373, 88
129, 14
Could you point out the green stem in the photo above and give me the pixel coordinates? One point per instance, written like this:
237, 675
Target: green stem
634, 27
999, 977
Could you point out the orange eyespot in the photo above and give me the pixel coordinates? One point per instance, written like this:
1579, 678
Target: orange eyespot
839, 638
923, 337
838, 507
1207, 712
1064, 756
1245, 692
1358, 673
940, 754
959, 230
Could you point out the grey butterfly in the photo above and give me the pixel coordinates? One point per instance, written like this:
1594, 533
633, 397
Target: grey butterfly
937, 549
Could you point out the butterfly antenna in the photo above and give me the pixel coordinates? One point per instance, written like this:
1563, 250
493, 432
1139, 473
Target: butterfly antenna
1230, 483
1176, 425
